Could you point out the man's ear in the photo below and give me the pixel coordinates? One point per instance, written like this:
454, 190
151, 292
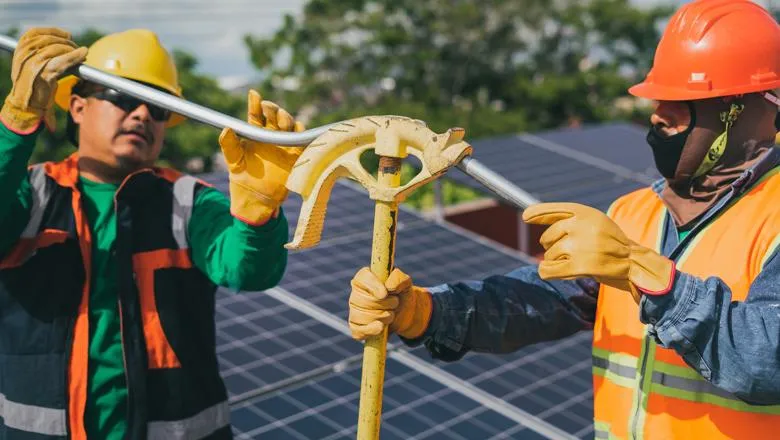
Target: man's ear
77, 107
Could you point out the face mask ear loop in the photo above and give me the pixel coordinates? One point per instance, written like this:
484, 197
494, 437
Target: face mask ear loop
769, 96
772, 97
719, 146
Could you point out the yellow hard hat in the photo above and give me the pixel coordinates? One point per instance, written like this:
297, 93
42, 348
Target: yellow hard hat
134, 54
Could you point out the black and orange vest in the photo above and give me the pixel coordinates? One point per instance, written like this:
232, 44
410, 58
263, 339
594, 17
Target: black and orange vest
642, 390
166, 310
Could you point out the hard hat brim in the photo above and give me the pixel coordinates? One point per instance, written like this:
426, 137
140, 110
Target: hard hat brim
649, 90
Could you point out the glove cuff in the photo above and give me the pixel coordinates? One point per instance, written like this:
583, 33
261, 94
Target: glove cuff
651, 272
418, 312
19, 121
253, 207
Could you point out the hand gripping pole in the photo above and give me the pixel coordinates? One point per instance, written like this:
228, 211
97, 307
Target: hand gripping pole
337, 154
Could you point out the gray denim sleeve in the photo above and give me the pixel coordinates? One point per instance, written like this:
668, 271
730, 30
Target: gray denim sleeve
504, 313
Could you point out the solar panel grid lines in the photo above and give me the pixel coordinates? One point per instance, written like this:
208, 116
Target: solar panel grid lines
547, 394
282, 349
409, 411
585, 158
592, 165
275, 346
425, 251
432, 429
435, 373
621, 143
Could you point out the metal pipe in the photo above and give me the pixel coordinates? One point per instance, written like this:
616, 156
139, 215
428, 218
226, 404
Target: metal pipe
187, 108
493, 181
505, 189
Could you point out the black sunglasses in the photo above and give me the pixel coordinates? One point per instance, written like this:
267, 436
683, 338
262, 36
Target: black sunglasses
129, 103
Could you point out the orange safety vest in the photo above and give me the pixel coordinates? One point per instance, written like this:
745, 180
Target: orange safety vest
642, 390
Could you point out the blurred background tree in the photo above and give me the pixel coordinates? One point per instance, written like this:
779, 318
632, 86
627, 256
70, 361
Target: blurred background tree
492, 67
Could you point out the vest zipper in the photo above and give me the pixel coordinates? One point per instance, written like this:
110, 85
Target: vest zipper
128, 400
641, 389
68, 356
124, 355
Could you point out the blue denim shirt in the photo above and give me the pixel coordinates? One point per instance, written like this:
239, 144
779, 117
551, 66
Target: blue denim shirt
734, 345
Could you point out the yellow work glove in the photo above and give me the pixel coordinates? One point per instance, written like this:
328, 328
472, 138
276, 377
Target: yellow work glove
584, 242
41, 57
372, 305
258, 171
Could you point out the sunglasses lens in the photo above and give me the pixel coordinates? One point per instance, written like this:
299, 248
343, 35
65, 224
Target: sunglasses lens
159, 114
129, 103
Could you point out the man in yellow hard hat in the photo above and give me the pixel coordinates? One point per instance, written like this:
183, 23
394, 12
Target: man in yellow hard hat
679, 282
108, 264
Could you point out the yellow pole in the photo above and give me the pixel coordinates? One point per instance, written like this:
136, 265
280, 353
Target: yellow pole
375, 349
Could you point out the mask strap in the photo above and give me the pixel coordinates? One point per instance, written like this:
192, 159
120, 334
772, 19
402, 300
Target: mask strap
719, 146
769, 96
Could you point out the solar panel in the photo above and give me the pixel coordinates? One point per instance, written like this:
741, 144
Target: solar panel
263, 343
584, 165
293, 372
621, 143
413, 408
550, 380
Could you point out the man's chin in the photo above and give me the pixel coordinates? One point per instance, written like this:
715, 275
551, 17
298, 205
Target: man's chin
131, 156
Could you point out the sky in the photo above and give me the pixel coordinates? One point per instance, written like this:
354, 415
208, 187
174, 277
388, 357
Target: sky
212, 30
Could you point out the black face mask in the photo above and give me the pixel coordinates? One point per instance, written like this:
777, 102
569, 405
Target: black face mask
668, 149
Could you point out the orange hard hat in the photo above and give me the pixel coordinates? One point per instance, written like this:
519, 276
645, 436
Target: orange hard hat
713, 48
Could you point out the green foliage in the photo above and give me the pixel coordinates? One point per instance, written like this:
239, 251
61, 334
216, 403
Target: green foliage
424, 198
492, 67
193, 140
544, 63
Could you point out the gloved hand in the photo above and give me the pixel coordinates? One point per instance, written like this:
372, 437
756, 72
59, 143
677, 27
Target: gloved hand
584, 242
259, 171
41, 57
372, 305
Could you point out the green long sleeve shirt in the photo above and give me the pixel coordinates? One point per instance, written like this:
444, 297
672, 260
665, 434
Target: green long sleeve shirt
231, 253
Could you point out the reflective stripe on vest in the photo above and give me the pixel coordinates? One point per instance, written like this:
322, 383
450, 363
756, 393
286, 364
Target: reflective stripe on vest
642, 390
40, 197
200, 425
601, 431
34, 419
183, 199
671, 380
31, 239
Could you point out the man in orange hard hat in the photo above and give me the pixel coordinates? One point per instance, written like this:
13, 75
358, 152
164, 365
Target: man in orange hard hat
680, 282
108, 264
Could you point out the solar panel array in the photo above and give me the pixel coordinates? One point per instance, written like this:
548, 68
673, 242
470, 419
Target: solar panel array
620, 143
293, 371
591, 165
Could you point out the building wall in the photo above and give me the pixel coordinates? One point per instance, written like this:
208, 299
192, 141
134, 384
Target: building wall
500, 223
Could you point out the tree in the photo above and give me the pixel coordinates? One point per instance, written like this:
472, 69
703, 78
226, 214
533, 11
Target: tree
492, 67
183, 144
193, 140
523, 65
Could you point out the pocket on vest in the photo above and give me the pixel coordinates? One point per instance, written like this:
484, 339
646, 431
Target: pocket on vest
39, 299
32, 391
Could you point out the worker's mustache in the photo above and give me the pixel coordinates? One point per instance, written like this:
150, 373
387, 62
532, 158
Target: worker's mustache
140, 129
